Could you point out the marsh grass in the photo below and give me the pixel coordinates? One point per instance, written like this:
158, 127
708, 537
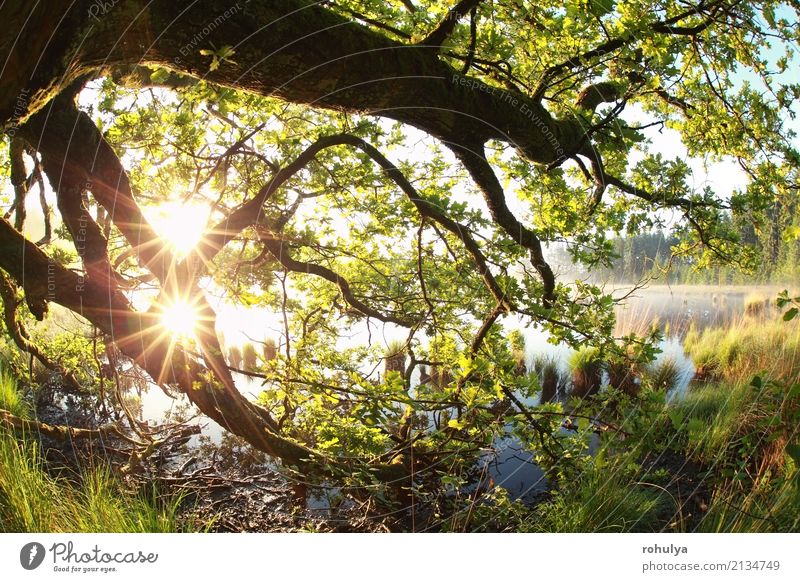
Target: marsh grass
395, 357
551, 379
624, 375
235, 357
756, 305
747, 348
606, 497
710, 415
31, 500
739, 433
249, 357
775, 508
587, 369
663, 375
270, 349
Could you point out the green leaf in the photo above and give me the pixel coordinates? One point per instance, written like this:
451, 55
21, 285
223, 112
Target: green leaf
790, 315
793, 451
456, 424
601, 7
159, 75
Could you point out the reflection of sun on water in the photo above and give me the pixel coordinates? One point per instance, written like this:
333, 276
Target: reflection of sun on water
180, 224
180, 319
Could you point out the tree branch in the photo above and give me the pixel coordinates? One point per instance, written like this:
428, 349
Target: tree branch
16, 329
483, 175
56, 432
68, 139
280, 252
445, 28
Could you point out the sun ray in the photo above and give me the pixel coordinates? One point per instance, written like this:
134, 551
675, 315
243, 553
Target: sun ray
180, 224
180, 319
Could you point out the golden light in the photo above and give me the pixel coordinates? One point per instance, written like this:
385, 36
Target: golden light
179, 319
180, 224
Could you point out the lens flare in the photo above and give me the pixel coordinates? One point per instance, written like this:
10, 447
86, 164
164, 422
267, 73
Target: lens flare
180, 319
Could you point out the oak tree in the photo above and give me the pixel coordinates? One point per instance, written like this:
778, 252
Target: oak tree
405, 163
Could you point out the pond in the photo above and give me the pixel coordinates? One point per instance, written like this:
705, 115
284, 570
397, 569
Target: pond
675, 309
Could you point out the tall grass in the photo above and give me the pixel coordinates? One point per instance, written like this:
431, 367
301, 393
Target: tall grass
663, 375
395, 357
710, 415
756, 305
587, 370
249, 357
606, 497
10, 398
551, 379
747, 348
33, 501
766, 509
741, 432
735, 432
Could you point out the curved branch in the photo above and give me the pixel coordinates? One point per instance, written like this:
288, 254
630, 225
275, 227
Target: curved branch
482, 173
280, 252
248, 213
16, 329
445, 28
68, 138
429, 210
141, 337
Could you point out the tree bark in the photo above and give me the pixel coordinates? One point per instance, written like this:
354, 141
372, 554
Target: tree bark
292, 49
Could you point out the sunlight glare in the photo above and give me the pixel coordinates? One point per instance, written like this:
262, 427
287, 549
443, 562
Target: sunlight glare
180, 319
180, 224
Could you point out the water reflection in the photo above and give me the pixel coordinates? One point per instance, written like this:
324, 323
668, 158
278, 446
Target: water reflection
675, 310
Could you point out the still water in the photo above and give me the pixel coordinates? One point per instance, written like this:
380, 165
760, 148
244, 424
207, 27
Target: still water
675, 310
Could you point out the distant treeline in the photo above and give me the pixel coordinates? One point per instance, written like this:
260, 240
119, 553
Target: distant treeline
649, 254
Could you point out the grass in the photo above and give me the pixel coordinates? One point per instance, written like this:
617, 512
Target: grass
623, 375
724, 458
270, 349
587, 368
764, 510
395, 357
741, 432
756, 305
10, 398
710, 415
235, 357
249, 357
551, 379
663, 375
606, 497
31, 500
748, 348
